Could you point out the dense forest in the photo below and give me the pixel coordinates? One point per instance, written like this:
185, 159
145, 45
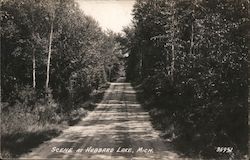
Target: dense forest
190, 59
53, 56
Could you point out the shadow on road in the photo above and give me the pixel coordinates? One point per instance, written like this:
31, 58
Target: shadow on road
20, 143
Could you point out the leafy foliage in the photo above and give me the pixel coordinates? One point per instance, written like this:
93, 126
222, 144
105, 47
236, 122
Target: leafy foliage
83, 56
80, 49
191, 58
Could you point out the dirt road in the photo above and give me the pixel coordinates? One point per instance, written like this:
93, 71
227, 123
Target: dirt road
118, 129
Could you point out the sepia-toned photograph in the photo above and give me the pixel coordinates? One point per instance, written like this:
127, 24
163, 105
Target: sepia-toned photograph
125, 79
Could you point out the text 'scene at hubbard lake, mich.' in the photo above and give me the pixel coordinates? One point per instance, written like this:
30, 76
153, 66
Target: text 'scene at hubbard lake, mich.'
103, 150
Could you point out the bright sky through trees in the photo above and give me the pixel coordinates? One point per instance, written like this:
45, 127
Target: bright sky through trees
111, 14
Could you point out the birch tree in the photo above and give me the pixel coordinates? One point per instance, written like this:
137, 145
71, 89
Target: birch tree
52, 9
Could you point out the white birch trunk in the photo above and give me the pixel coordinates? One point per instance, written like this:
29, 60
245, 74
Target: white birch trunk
173, 43
34, 67
49, 53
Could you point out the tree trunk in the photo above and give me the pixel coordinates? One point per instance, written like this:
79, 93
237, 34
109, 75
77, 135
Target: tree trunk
173, 43
33, 53
49, 53
141, 64
192, 39
172, 63
34, 67
191, 50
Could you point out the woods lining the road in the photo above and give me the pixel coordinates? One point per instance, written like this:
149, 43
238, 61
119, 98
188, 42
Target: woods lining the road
190, 58
53, 57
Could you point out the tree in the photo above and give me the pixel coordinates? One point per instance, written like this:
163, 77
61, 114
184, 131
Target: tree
203, 70
51, 10
49, 44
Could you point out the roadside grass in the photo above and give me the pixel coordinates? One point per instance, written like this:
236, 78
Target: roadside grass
21, 131
85, 106
22, 128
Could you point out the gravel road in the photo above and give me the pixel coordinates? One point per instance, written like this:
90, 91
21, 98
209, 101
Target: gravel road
118, 129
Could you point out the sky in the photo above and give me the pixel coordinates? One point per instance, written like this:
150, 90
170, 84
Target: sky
111, 14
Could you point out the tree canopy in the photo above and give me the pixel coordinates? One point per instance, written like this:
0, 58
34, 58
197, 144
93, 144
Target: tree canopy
33, 30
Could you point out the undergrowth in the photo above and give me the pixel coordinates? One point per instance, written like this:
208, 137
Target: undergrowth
31, 120
196, 130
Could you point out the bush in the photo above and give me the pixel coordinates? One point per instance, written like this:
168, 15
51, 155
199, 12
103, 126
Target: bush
76, 115
17, 119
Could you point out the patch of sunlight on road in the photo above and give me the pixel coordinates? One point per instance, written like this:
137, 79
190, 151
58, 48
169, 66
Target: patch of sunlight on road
119, 105
120, 90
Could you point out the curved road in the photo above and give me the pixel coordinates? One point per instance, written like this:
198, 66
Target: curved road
118, 129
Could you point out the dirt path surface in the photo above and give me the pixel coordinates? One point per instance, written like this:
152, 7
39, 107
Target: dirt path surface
119, 129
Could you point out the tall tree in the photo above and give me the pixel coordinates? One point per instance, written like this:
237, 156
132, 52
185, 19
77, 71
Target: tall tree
52, 8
